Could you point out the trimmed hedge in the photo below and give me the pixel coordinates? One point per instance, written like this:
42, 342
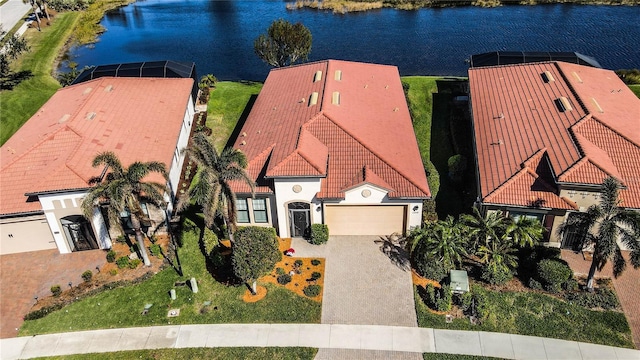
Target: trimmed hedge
311, 290
553, 273
319, 234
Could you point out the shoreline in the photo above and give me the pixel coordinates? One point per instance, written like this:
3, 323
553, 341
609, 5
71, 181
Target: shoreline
347, 6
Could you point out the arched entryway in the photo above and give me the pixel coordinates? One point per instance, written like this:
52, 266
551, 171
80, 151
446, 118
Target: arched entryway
79, 233
299, 219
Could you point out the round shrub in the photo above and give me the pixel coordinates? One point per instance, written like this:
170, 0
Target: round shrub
123, 262
315, 262
113, 272
155, 250
319, 234
298, 263
311, 290
554, 272
280, 271
284, 279
571, 285
87, 275
429, 268
134, 263
535, 284
56, 290
111, 256
316, 275
496, 275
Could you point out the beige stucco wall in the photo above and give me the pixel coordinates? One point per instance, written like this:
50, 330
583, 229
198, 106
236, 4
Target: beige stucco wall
584, 199
23, 234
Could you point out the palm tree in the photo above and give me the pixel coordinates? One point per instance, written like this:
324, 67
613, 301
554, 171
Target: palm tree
124, 190
212, 184
498, 259
440, 241
483, 229
35, 11
605, 224
524, 231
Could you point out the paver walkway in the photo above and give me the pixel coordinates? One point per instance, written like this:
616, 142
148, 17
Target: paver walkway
12, 12
372, 341
25, 275
627, 287
361, 287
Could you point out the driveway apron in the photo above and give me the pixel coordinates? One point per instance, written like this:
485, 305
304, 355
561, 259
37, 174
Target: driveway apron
362, 286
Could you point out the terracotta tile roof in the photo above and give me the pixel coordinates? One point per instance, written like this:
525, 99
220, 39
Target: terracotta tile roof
367, 176
357, 117
582, 116
138, 119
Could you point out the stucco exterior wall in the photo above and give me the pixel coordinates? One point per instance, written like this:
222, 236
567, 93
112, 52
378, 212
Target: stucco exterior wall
24, 234
285, 194
182, 140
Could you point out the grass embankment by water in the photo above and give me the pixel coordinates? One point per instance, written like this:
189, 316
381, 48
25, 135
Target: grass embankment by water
214, 303
291, 353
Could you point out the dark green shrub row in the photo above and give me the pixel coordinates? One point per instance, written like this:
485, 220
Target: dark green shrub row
319, 234
601, 298
496, 275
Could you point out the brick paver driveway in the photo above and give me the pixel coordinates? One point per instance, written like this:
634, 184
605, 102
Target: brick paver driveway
25, 275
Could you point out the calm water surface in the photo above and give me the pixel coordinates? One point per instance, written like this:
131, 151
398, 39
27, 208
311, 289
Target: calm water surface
218, 35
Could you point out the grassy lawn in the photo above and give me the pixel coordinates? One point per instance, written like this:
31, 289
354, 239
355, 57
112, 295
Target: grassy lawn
291, 353
535, 314
635, 89
121, 307
229, 102
19, 104
440, 356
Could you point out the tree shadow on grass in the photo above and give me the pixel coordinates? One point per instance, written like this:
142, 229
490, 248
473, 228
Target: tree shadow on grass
14, 79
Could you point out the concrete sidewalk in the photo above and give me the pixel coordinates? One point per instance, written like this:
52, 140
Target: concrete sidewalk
12, 12
336, 336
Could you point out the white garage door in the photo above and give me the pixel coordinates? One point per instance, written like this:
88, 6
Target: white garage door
364, 220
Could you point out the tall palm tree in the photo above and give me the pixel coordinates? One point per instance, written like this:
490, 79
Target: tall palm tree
524, 231
124, 190
212, 184
606, 224
35, 11
483, 229
440, 241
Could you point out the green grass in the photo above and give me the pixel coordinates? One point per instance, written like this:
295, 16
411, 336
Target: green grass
290, 353
226, 106
441, 356
535, 314
121, 307
635, 89
420, 101
19, 104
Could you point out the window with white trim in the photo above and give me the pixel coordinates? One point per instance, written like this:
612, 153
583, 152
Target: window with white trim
243, 210
260, 210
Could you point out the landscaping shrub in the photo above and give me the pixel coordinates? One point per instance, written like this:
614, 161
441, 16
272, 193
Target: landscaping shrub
87, 275
311, 290
496, 275
155, 250
315, 262
280, 271
428, 267
319, 234
535, 284
553, 273
123, 262
571, 285
298, 263
121, 239
443, 301
316, 275
284, 279
111, 256
254, 252
209, 242
457, 165
474, 302
601, 298
529, 257
134, 263
56, 290
113, 272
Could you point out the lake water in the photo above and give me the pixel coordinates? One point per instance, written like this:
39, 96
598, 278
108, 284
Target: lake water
218, 35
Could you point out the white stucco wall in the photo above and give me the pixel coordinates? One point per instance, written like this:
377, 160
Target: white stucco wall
183, 139
284, 191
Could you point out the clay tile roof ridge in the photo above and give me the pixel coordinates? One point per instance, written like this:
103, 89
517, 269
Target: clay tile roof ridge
571, 88
505, 184
426, 191
571, 203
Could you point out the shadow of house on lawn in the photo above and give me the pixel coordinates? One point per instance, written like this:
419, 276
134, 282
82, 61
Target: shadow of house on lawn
243, 118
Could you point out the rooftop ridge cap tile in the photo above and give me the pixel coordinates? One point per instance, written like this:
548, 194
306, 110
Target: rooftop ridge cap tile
571, 203
595, 118
565, 79
301, 153
510, 180
426, 192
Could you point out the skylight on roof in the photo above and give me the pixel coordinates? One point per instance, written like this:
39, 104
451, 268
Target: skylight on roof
595, 103
563, 104
335, 99
576, 76
318, 76
338, 75
313, 99
547, 77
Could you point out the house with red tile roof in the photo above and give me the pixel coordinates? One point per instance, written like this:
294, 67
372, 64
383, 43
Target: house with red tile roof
45, 166
546, 136
332, 142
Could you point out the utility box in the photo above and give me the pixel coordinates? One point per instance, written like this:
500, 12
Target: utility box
459, 281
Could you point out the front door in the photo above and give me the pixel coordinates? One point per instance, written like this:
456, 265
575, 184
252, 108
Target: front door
79, 233
299, 219
573, 238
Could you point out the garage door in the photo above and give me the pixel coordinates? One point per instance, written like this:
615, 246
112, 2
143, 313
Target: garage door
364, 220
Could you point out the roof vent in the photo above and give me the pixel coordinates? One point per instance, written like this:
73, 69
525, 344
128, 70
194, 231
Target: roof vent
108, 88
243, 143
338, 75
91, 115
500, 116
243, 134
395, 109
301, 101
313, 99
64, 118
576, 76
595, 103
318, 76
386, 86
548, 77
335, 99
87, 90
563, 104
366, 86
499, 142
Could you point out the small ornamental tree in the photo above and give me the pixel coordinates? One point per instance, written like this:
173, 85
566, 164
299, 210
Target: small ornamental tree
255, 253
283, 44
